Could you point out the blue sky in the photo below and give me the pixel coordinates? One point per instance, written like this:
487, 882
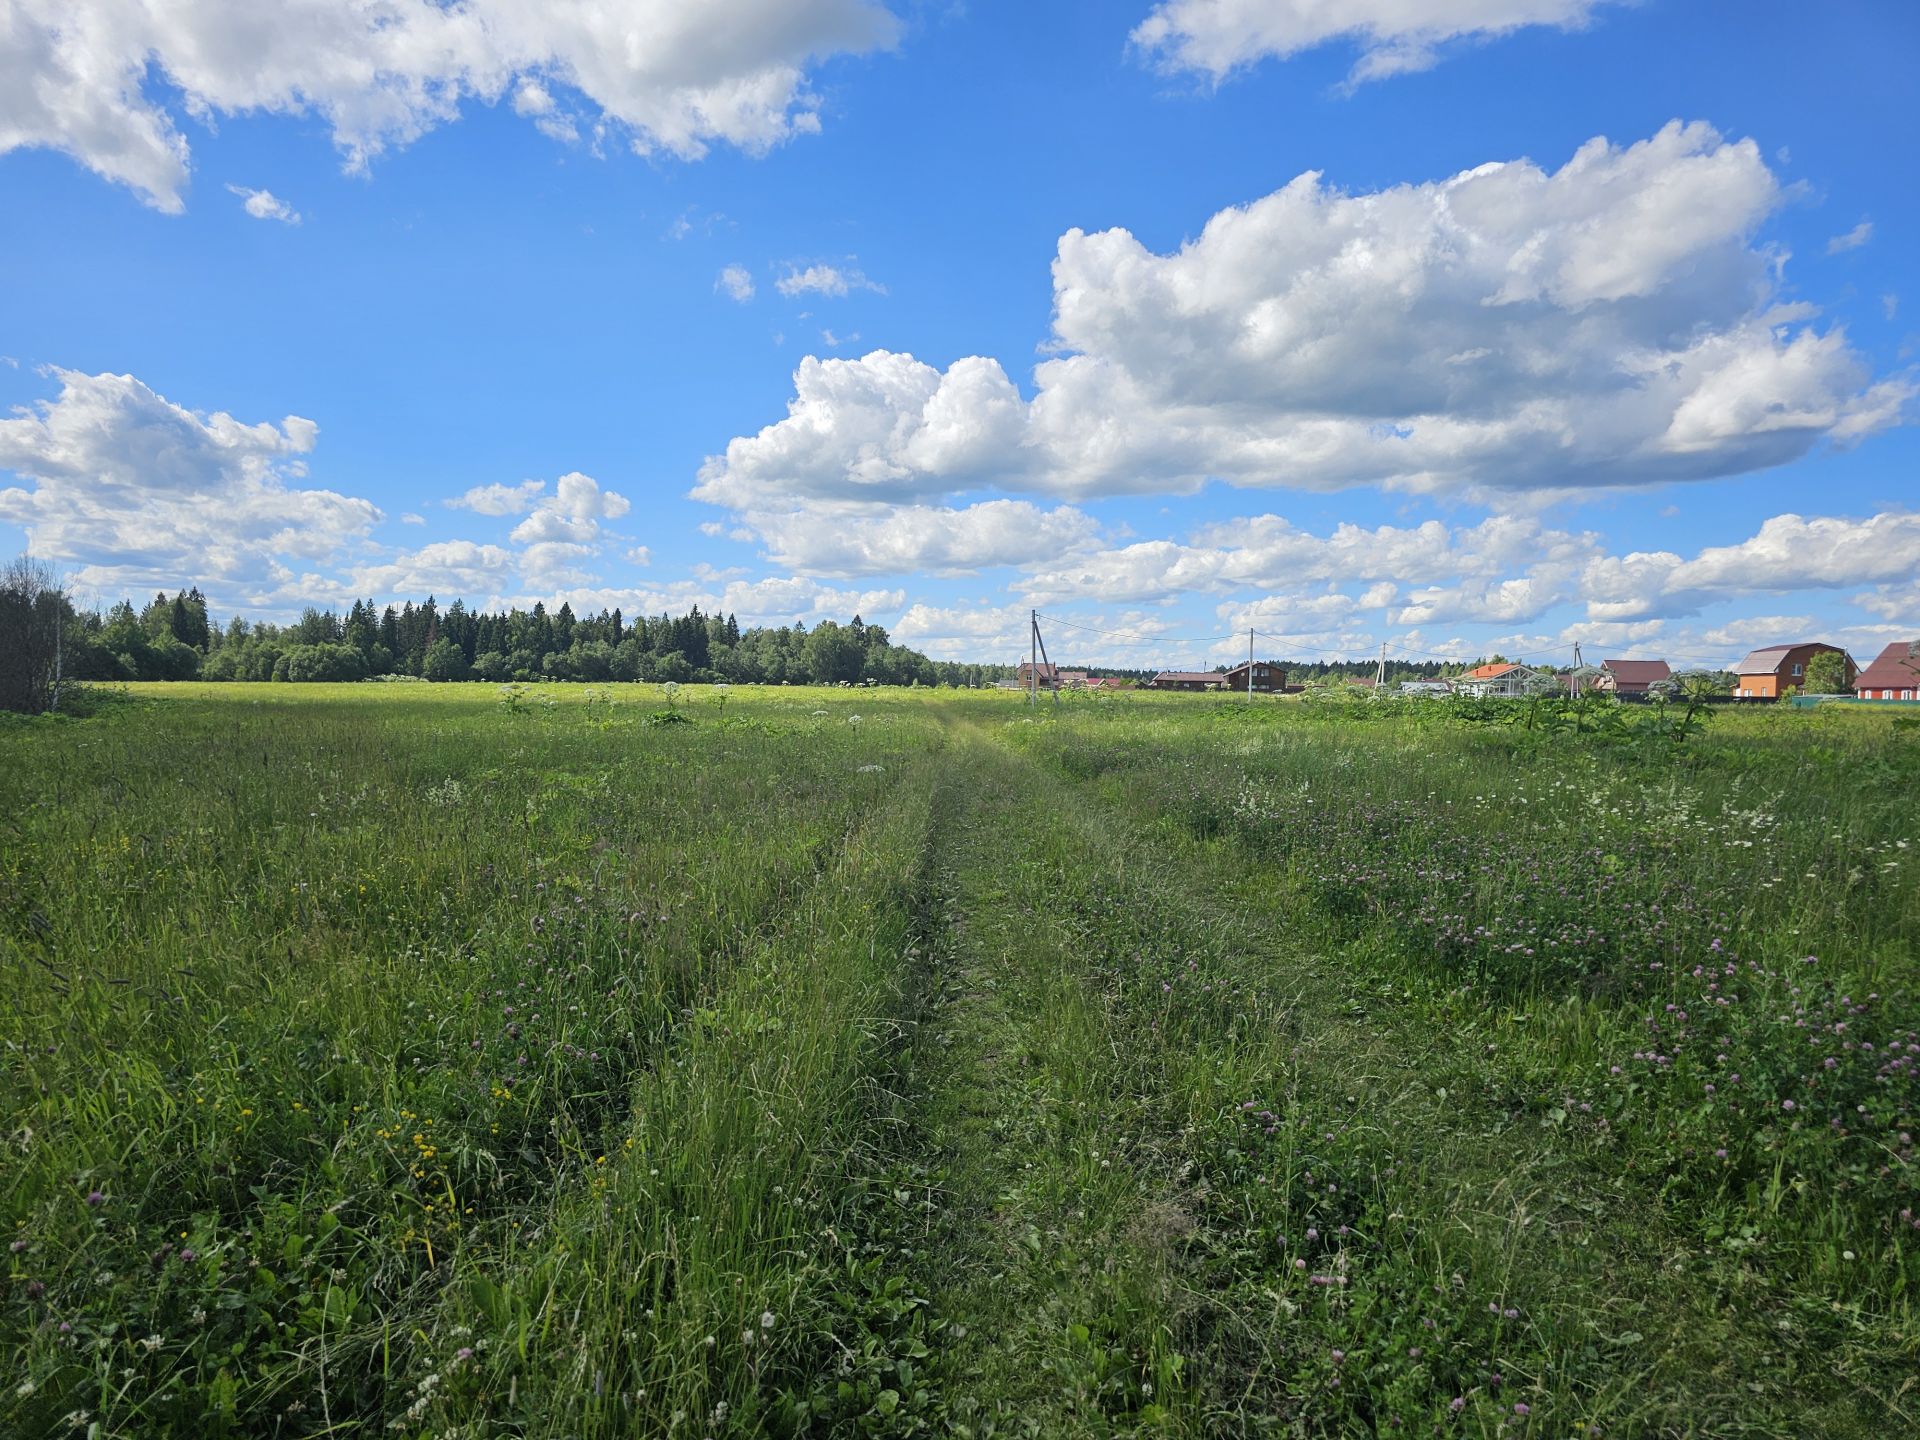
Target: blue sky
1598, 324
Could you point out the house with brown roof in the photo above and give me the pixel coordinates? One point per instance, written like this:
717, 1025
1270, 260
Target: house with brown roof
1048, 675
1187, 680
1893, 675
1772, 670
1631, 677
1268, 677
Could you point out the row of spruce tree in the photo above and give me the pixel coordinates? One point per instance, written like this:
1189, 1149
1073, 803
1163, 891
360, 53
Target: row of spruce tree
172, 638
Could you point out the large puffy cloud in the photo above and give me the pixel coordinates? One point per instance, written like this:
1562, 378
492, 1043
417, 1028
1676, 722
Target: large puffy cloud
128, 485
882, 428
667, 75
562, 531
1787, 553
1216, 37
1514, 329
572, 514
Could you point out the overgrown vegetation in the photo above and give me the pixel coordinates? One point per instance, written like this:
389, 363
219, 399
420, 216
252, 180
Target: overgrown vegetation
564, 1062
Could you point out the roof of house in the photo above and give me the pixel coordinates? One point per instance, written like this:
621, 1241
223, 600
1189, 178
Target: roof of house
1190, 675
1490, 671
1637, 672
1768, 659
1895, 668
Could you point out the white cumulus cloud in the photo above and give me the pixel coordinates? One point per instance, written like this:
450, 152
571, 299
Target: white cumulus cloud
138, 491
1512, 328
562, 532
736, 283
95, 79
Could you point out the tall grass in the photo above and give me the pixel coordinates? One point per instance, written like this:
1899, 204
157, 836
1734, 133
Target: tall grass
422, 1060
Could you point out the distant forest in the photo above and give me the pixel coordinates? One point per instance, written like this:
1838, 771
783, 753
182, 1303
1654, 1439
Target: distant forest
172, 639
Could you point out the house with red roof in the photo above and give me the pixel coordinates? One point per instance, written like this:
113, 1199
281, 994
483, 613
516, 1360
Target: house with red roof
1893, 675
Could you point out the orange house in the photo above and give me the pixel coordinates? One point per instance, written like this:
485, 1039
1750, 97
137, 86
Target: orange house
1771, 671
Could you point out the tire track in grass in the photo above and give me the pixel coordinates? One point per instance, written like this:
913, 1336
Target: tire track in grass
683, 1287
1050, 1266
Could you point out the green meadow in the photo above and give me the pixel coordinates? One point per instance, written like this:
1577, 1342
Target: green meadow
437, 1060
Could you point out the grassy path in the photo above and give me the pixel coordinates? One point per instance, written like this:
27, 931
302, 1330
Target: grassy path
1055, 1259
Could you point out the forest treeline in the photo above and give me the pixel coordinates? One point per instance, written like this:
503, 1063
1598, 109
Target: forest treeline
172, 638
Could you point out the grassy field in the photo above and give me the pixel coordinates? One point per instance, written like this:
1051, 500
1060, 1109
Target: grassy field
577, 1062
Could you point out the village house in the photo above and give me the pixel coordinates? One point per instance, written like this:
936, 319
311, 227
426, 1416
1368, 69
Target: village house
1498, 678
1893, 675
1049, 675
1188, 680
1269, 678
1771, 671
1631, 677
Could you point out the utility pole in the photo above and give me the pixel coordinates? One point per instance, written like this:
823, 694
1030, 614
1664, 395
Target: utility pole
1053, 672
1249, 663
1380, 670
1573, 678
1033, 657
